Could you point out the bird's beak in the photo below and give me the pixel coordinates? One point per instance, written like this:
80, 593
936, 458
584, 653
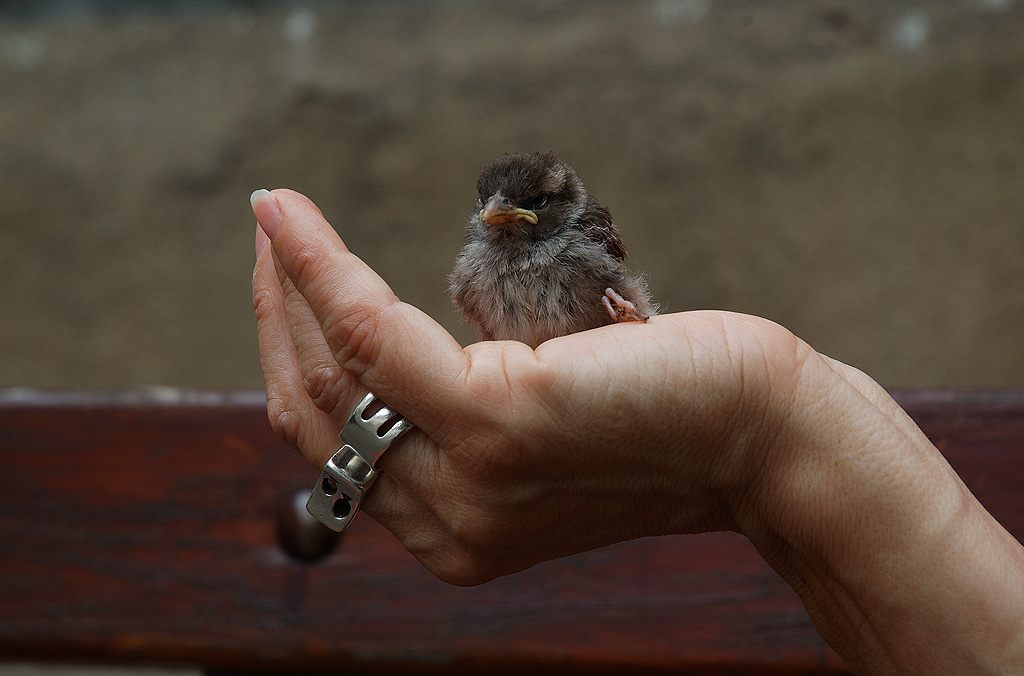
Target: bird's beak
498, 211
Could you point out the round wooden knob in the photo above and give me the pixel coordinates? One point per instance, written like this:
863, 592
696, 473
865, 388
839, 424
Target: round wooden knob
299, 533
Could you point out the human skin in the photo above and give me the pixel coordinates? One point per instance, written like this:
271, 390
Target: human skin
693, 422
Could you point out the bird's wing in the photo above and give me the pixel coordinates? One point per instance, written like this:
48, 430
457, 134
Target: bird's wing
598, 226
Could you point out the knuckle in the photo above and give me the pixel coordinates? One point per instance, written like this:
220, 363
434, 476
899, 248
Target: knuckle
304, 262
323, 383
285, 420
262, 303
355, 337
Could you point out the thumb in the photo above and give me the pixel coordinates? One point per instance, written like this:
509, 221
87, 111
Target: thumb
395, 350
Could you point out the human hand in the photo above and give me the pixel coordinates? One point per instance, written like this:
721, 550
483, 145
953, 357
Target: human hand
691, 422
521, 455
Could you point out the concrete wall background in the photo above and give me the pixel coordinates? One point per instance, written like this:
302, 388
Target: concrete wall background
852, 170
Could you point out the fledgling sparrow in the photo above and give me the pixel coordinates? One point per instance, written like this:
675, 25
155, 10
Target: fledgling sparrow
542, 257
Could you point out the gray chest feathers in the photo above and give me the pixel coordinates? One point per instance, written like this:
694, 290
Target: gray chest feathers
538, 290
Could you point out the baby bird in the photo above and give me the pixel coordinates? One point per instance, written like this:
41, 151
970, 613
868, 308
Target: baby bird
542, 257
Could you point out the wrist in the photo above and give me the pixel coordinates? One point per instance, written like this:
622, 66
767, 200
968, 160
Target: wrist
891, 554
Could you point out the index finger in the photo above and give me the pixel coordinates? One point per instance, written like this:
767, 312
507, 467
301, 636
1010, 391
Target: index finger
398, 352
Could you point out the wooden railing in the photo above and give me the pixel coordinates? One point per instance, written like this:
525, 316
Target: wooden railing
148, 529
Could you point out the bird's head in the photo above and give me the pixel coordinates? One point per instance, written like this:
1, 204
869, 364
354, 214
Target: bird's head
529, 194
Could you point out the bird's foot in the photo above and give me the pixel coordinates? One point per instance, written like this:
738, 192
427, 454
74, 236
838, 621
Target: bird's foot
620, 309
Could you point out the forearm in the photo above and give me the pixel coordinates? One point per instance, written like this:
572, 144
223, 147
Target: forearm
901, 569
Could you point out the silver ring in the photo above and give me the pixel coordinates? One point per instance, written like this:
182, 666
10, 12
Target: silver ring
371, 429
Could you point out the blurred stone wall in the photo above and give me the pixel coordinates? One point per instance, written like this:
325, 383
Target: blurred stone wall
852, 170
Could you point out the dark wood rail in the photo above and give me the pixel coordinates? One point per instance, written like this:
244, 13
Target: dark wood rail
141, 528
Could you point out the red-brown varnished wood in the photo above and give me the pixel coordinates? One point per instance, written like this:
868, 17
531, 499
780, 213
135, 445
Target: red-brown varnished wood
136, 528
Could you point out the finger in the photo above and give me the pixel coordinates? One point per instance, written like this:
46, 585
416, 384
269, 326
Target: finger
332, 389
395, 350
291, 412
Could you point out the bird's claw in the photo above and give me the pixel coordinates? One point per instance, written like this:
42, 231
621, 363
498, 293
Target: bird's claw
620, 309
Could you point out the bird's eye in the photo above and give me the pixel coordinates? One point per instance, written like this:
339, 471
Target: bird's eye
539, 203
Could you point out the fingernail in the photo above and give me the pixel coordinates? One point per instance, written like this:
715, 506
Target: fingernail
261, 241
267, 211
